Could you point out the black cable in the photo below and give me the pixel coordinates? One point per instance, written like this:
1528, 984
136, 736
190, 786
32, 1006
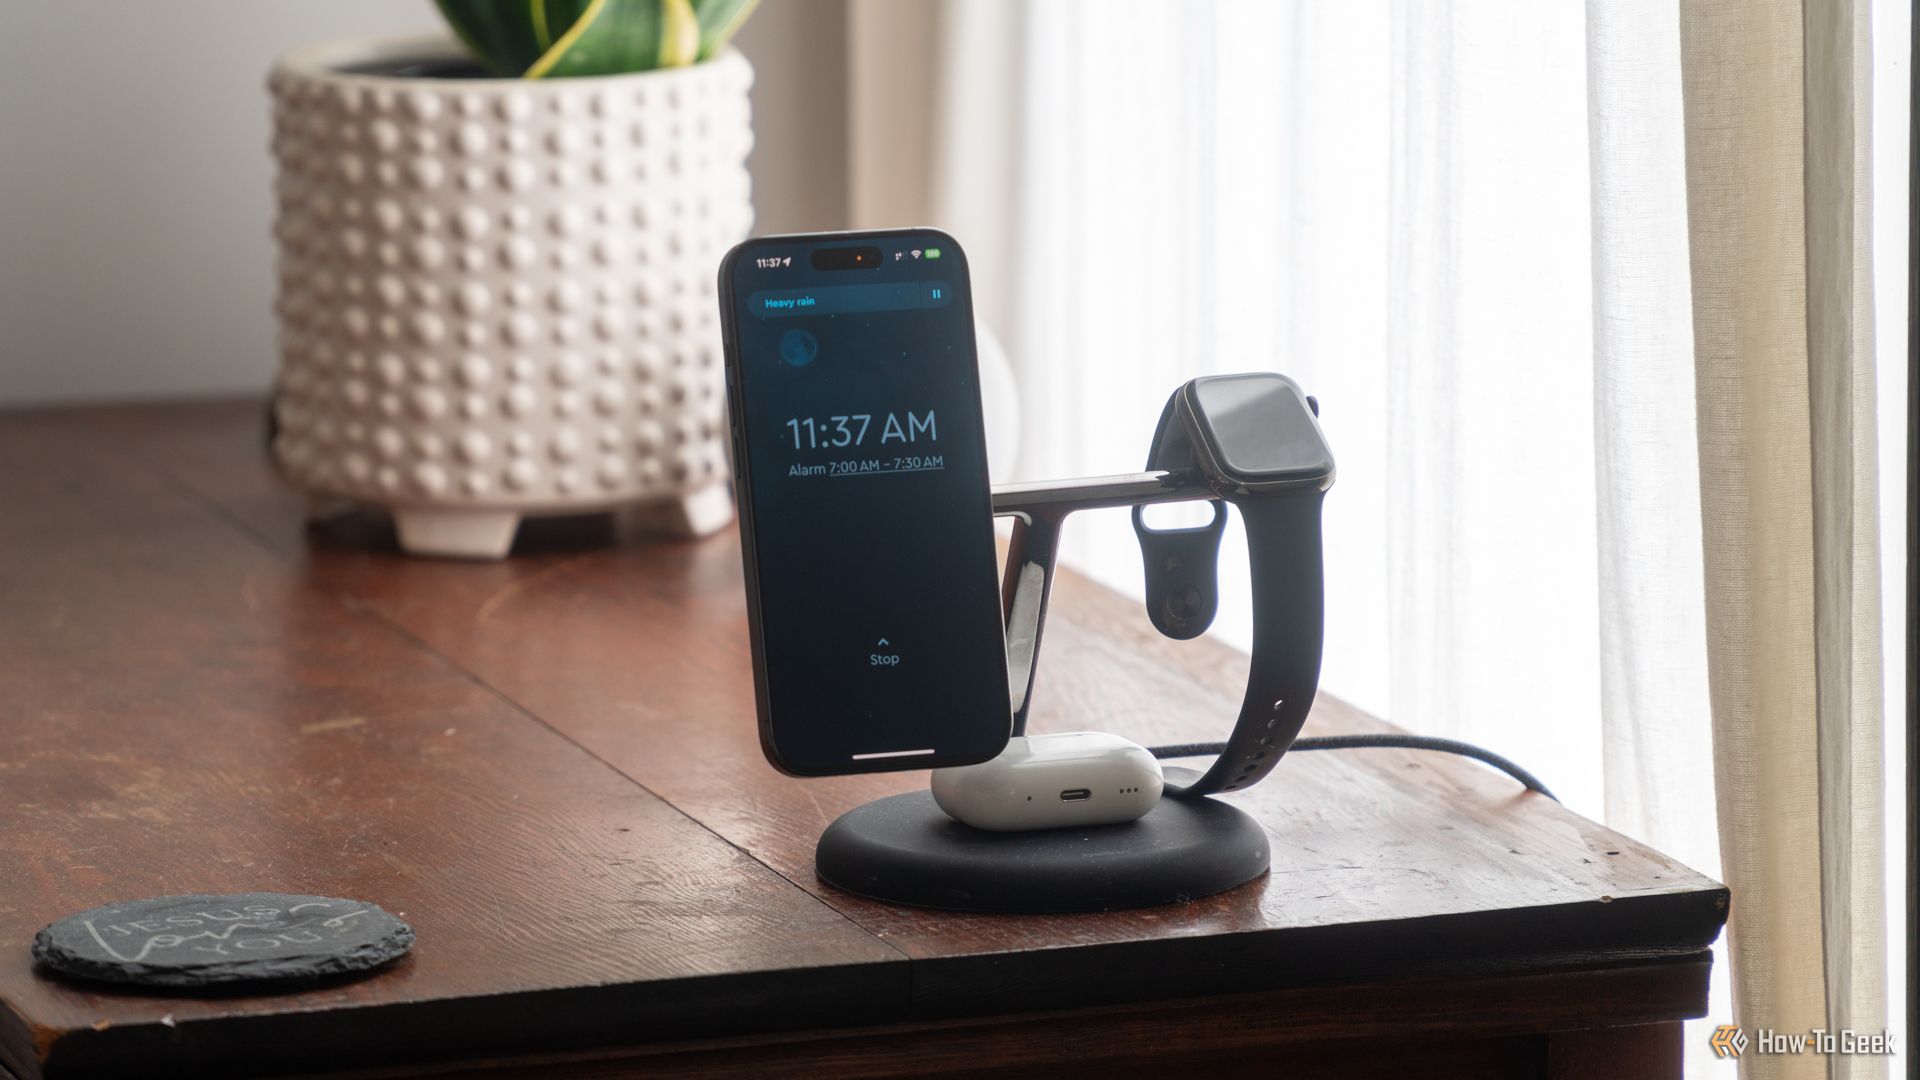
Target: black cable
1376, 742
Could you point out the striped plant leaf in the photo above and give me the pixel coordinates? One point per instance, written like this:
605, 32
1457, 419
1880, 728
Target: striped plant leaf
552, 18
501, 35
543, 39
718, 20
615, 36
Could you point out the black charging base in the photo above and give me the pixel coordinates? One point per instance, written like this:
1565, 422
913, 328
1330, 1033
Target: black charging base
904, 850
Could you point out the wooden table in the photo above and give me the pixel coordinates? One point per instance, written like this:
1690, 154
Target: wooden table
549, 766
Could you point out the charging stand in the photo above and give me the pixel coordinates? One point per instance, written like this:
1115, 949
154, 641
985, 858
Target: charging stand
905, 850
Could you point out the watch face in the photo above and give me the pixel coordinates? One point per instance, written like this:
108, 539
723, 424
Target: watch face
1259, 429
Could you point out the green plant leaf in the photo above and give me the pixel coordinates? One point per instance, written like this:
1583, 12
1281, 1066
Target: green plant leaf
510, 36
718, 20
555, 17
501, 35
614, 36
680, 34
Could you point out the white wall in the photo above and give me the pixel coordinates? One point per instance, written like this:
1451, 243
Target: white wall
136, 183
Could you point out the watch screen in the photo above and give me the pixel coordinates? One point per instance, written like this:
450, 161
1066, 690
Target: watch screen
1260, 427
872, 548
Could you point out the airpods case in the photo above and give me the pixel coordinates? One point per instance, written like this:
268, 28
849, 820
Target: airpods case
1075, 778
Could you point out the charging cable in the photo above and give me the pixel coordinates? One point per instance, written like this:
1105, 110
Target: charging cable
1374, 742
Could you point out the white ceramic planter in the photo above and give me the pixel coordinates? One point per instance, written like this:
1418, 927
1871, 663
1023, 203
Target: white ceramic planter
497, 295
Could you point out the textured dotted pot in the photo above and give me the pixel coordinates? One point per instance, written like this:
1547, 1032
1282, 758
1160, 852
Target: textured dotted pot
497, 295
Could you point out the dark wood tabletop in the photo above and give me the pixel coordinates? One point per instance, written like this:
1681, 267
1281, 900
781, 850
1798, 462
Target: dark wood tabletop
549, 766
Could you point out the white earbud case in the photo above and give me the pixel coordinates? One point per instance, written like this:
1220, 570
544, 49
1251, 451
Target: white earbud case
1051, 781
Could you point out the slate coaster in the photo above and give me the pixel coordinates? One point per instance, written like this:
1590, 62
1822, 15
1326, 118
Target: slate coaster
223, 941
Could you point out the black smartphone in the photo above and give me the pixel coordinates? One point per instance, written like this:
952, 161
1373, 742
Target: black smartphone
866, 514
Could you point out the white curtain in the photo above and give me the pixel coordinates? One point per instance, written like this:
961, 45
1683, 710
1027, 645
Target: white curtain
1396, 205
1780, 204
1465, 227
1652, 633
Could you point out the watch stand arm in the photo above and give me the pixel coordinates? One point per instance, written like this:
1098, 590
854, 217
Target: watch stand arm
1039, 510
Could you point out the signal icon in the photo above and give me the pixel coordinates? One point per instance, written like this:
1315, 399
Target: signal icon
915, 253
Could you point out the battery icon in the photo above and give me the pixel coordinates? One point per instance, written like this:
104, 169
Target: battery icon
933, 253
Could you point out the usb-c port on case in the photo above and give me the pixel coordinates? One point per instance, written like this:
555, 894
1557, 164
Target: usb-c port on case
1076, 794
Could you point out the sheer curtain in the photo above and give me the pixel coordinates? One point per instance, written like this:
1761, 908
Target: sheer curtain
1392, 204
1466, 228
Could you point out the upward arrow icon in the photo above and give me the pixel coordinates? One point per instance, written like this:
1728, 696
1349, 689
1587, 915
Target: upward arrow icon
883, 641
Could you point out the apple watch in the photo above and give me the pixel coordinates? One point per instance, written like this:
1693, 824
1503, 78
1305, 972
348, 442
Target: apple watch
1255, 441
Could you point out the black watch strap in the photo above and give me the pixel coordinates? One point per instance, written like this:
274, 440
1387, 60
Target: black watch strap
1283, 547
1284, 555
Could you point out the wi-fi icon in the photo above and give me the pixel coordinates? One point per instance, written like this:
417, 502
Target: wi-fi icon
916, 253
